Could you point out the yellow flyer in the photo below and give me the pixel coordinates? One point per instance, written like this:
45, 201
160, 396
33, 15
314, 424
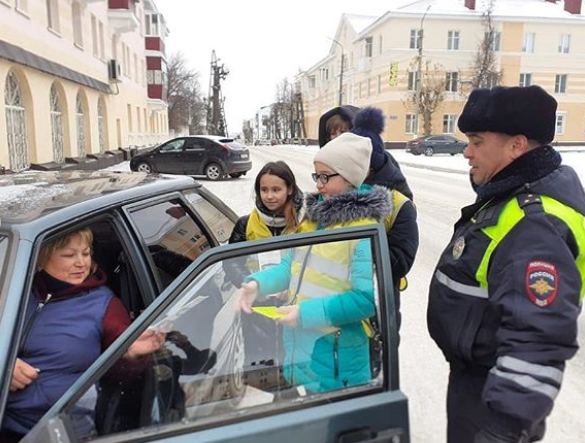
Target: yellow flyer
268, 311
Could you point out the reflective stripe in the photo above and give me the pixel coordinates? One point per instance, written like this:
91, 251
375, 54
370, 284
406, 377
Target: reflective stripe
310, 290
333, 269
515, 364
460, 288
528, 383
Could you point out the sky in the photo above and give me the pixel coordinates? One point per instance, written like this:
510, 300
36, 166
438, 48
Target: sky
260, 42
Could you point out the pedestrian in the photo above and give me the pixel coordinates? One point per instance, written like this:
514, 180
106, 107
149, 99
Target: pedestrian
330, 286
507, 290
278, 210
401, 225
343, 119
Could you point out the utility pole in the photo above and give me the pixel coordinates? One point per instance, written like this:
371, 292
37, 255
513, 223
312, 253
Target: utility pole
340, 70
419, 70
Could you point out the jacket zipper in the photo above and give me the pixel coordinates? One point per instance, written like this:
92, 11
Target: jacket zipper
32, 319
335, 354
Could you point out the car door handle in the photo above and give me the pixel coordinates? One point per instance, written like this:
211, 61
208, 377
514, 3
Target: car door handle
367, 435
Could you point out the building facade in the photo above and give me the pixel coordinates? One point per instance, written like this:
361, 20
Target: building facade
79, 77
533, 41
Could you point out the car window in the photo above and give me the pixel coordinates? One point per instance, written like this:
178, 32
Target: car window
173, 146
193, 143
236, 146
173, 237
218, 365
220, 224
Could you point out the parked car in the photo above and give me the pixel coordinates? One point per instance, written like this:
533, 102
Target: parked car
212, 156
160, 239
436, 144
262, 142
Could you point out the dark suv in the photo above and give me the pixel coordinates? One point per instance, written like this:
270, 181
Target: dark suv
160, 241
212, 156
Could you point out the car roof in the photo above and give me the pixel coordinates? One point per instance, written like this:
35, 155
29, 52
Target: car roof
29, 196
217, 138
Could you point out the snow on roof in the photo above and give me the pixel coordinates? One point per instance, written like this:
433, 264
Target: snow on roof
501, 8
360, 22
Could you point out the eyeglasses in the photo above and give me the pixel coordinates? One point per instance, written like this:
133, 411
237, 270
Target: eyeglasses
323, 178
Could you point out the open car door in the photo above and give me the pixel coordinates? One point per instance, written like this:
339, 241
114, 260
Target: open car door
224, 375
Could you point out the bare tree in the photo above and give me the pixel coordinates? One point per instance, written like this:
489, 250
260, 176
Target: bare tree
186, 106
429, 91
485, 72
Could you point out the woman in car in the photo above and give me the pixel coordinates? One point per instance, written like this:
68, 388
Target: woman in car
73, 318
326, 344
278, 210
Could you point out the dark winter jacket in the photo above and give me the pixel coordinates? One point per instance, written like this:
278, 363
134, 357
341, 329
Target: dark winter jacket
513, 318
347, 112
390, 176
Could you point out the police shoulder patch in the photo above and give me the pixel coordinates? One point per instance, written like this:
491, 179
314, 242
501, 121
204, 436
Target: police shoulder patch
541, 282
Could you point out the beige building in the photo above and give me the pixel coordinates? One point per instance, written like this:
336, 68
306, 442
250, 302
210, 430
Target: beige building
79, 77
535, 42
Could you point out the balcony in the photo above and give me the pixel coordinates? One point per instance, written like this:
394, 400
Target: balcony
122, 15
157, 44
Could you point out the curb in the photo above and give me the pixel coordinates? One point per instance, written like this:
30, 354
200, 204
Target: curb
433, 168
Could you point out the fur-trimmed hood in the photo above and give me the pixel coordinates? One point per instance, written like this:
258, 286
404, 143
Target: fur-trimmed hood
372, 202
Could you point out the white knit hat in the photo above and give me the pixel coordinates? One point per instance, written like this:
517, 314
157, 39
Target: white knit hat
349, 156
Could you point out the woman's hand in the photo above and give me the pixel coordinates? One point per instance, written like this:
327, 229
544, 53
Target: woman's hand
149, 341
246, 296
23, 375
291, 317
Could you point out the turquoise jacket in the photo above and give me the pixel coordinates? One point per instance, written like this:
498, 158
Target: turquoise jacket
329, 347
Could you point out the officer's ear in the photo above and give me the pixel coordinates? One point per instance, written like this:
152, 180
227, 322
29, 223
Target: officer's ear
520, 146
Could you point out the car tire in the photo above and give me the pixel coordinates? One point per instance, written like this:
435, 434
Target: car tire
213, 171
144, 167
236, 175
429, 151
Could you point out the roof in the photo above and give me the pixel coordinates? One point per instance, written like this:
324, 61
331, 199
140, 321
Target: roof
360, 22
30, 196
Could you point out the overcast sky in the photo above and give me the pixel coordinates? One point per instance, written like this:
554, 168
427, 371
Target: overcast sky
260, 41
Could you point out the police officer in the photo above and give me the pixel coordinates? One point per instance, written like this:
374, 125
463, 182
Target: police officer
506, 293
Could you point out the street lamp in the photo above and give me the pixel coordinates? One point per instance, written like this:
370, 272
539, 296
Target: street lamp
341, 70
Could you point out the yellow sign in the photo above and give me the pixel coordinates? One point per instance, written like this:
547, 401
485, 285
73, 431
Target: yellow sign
393, 78
269, 311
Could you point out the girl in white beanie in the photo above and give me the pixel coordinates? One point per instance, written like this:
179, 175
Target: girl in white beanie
325, 341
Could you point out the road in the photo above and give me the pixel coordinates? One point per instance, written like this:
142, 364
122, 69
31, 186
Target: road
439, 197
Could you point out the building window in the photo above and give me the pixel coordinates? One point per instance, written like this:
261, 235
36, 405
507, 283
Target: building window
449, 121
324, 74
560, 126
451, 81
80, 120
15, 124
101, 41
101, 126
360, 90
56, 126
379, 84
561, 83
94, 36
494, 40
368, 47
369, 86
311, 80
411, 124
413, 79
528, 44
380, 45
453, 40
152, 27
565, 43
415, 38
53, 14
525, 79
76, 18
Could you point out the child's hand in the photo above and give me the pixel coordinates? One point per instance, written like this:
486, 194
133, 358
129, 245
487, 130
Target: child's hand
246, 296
291, 317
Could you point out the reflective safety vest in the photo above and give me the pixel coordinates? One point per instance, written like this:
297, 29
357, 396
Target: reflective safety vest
513, 212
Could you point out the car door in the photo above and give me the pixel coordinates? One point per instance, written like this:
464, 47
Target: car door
169, 157
438, 143
201, 384
193, 156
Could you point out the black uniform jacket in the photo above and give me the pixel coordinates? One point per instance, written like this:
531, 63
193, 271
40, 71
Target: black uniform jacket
507, 331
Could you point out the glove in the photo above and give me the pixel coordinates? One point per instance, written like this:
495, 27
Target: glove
492, 436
